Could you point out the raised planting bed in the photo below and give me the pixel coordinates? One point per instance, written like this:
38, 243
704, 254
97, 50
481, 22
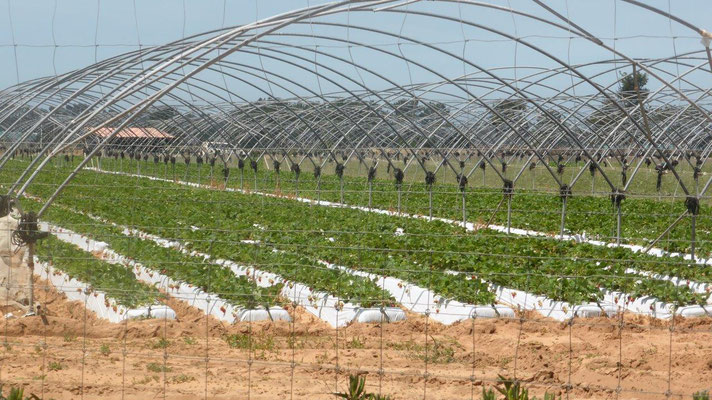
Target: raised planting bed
643, 217
560, 271
210, 303
109, 290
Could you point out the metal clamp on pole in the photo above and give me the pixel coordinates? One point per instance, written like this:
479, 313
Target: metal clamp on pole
706, 41
617, 197
706, 38
693, 205
508, 188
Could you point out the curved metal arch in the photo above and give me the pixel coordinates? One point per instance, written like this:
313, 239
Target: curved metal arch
683, 127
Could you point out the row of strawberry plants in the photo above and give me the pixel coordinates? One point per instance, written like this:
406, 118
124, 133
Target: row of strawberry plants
238, 290
117, 282
525, 263
643, 218
348, 237
223, 233
167, 217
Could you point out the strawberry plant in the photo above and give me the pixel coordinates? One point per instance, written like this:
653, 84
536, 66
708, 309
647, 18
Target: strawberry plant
240, 291
303, 234
117, 282
643, 217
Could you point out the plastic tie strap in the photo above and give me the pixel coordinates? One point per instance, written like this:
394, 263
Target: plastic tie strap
706, 38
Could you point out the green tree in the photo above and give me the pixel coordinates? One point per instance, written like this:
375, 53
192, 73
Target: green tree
627, 93
508, 109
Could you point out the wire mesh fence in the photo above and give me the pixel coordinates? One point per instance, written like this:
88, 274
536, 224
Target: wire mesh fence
346, 200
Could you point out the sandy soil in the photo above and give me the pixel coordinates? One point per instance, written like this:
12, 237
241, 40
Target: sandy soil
75, 353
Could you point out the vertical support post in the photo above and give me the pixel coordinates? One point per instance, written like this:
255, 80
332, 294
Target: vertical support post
187, 167
593, 184
509, 215
507, 192
31, 265
430, 181
341, 189
464, 210
659, 183
618, 223
297, 171
563, 216
564, 193
617, 198
430, 202
278, 181
399, 200
371, 176
317, 176
340, 173
693, 221
398, 175
28, 233
592, 170
693, 208
226, 176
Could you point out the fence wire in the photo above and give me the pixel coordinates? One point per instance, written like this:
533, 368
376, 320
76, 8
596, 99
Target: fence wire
269, 209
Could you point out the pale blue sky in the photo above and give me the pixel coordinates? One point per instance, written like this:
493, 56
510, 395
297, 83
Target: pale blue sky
35, 26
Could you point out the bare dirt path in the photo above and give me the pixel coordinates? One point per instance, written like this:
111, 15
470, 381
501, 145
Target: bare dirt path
75, 352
